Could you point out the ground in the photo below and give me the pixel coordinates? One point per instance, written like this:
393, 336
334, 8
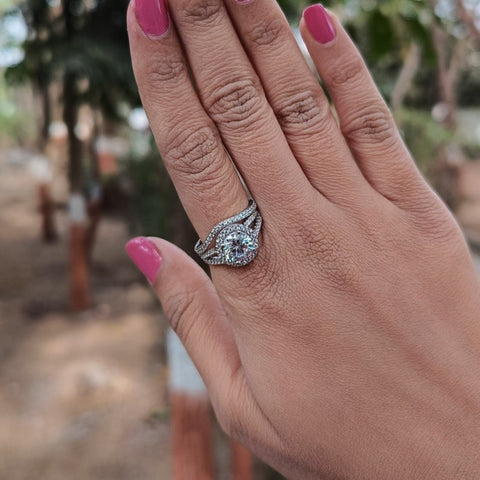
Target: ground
82, 395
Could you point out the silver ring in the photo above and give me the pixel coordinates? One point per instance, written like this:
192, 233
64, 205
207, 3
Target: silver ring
236, 241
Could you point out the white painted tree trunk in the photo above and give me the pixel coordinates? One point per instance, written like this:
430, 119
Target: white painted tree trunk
192, 446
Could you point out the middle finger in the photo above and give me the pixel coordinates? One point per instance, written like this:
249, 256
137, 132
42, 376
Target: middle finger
297, 100
233, 96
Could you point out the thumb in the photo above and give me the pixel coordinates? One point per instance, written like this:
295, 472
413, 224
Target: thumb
191, 303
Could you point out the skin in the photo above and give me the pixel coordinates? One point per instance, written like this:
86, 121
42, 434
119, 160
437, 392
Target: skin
350, 347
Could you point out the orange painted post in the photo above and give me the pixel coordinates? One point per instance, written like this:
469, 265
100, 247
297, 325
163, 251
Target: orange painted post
192, 435
46, 207
79, 282
242, 462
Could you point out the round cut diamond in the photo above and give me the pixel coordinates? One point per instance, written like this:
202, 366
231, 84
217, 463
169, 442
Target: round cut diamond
239, 248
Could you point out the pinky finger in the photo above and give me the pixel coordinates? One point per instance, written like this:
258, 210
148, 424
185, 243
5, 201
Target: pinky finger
365, 120
193, 308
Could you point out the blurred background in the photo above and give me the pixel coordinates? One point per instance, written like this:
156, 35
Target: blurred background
85, 365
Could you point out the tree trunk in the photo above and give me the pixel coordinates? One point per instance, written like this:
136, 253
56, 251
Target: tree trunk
242, 464
406, 76
94, 214
192, 442
70, 117
43, 135
468, 18
79, 285
95, 193
446, 92
444, 176
46, 207
448, 68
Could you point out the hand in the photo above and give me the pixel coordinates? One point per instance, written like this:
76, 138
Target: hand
350, 347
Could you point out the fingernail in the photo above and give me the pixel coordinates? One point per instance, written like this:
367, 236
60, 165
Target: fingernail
145, 256
319, 23
152, 16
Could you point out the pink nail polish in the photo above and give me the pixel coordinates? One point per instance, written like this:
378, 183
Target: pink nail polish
152, 15
319, 23
145, 256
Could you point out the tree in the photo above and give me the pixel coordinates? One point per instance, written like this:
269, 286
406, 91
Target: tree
83, 45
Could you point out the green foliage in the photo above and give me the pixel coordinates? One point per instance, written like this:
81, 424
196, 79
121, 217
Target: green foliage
94, 49
469, 81
384, 31
155, 206
423, 136
15, 126
292, 8
381, 34
6, 5
418, 31
83, 45
152, 195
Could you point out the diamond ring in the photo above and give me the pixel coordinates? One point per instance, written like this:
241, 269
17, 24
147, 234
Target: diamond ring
236, 241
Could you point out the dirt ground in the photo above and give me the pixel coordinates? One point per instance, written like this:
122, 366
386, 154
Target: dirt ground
82, 396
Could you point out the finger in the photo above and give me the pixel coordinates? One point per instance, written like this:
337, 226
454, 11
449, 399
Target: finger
234, 98
297, 99
365, 119
193, 308
188, 140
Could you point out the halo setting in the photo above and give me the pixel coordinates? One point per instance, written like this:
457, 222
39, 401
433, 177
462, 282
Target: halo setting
236, 242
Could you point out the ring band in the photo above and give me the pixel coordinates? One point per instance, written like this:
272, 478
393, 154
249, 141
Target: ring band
236, 241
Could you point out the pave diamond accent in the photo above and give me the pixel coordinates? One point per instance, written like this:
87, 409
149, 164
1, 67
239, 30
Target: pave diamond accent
237, 239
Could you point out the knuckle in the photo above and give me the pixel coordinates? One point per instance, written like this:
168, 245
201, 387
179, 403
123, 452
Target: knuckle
236, 103
302, 112
267, 32
195, 152
370, 126
202, 12
345, 72
165, 70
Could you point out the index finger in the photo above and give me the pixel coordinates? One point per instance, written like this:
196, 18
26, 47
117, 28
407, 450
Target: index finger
187, 138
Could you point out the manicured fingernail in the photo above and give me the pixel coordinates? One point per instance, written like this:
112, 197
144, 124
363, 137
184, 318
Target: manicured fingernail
319, 23
145, 256
152, 16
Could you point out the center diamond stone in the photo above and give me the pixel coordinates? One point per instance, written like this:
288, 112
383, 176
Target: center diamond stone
239, 248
